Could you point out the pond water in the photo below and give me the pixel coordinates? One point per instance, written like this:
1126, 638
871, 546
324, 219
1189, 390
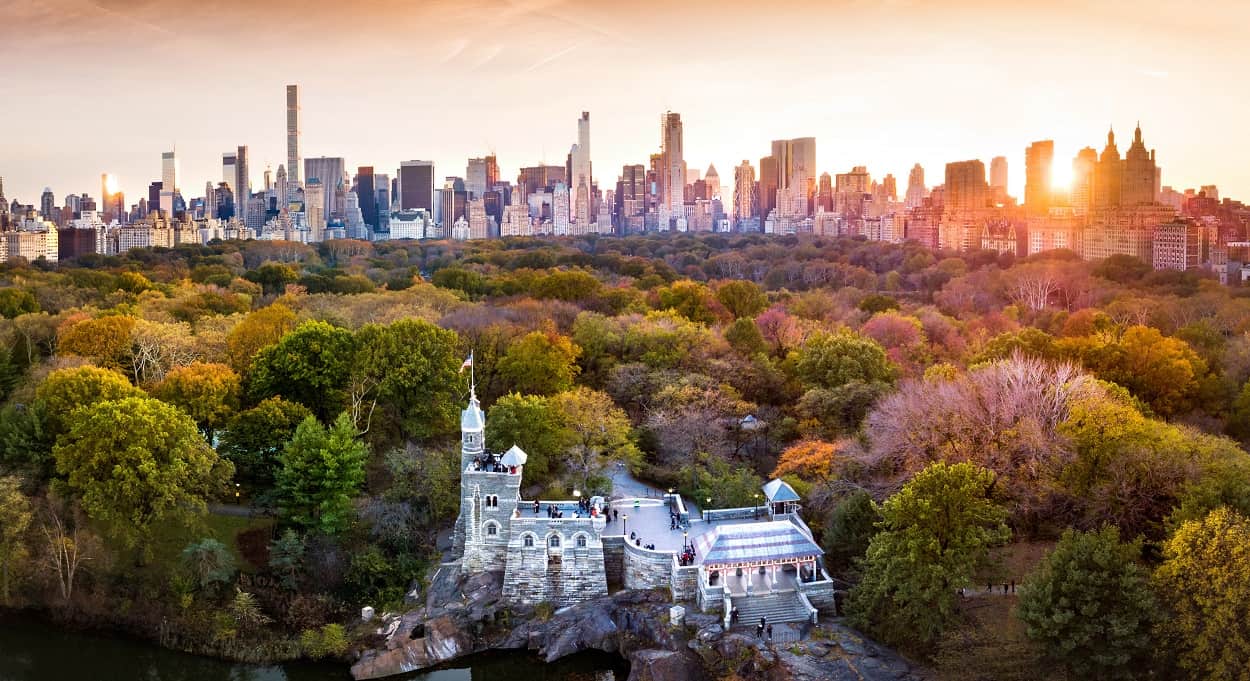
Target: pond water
35, 651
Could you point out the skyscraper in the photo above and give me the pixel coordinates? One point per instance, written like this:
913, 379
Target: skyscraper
475, 178
229, 174
744, 191
368, 196
998, 178
331, 171
1083, 167
47, 206
1107, 175
915, 187
796, 173
1038, 159
292, 134
580, 180
673, 166
416, 185
169, 181
242, 185
1138, 180
965, 185
770, 180
314, 208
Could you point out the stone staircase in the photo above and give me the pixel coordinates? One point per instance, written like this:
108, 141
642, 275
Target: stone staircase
777, 607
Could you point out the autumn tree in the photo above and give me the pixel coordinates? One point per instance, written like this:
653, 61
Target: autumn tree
809, 459
1204, 583
15, 302
104, 340
136, 463
310, 365
598, 434
540, 363
15, 517
1163, 371
208, 393
322, 470
259, 329
742, 298
935, 535
1090, 606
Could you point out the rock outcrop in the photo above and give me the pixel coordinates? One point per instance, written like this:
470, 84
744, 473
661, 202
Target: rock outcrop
466, 615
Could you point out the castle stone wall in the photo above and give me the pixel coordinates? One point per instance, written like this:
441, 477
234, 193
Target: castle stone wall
563, 574
614, 560
684, 582
645, 569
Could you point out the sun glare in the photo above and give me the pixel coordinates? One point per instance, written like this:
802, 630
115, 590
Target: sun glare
110, 183
1061, 177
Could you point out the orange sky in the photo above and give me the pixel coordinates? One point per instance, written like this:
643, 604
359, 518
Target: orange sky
106, 86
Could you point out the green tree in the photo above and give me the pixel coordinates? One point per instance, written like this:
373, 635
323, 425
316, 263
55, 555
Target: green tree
25, 441
1028, 341
540, 363
1204, 582
598, 434
533, 424
65, 390
208, 393
322, 470
273, 277
210, 563
1090, 606
830, 360
429, 479
15, 302
849, 529
254, 439
935, 534
136, 463
1164, 372
742, 298
310, 365
726, 485
745, 337
571, 285
409, 370
286, 557
15, 517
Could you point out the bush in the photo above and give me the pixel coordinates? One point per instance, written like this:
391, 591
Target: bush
329, 641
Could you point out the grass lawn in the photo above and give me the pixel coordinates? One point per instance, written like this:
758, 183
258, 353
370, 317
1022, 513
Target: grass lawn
169, 541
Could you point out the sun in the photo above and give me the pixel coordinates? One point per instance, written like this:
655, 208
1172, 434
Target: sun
1061, 177
110, 184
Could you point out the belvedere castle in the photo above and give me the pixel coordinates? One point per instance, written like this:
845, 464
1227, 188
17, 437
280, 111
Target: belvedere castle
752, 562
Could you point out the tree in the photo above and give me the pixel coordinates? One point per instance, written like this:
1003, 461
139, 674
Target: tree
15, 517
411, 371
245, 610
209, 562
158, 347
322, 469
809, 459
540, 363
849, 529
65, 390
259, 329
25, 441
598, 433
830, 360
70, 544
310, 365
1090, 606
1204, 583
15, 302
429, 479
838, 412
716, 483
286, 557
273, 277
138, 462
742, 298
690, 299
532, 423
935, 534
208, 393
745, 337
1163, 371
105, 340
254, 439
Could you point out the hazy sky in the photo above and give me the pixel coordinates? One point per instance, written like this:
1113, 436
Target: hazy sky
106, 86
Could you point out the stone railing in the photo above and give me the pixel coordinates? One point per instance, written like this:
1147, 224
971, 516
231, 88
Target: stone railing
648, 569
710, 596
798, 522
812, 612
676, 504
753, 513
684, 581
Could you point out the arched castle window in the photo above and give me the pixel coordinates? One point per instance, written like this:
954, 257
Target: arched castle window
581, 541
492, 529
554, 541
527, 541
492, 501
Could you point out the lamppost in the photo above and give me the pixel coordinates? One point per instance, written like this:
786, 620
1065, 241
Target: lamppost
624, 524
577, 494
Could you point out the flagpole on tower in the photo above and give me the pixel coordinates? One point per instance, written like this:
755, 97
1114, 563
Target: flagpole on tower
472, 377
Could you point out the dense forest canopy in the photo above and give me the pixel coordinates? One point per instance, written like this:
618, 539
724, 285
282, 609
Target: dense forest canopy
1102, 406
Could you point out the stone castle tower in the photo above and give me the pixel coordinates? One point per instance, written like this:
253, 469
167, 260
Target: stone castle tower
489, 491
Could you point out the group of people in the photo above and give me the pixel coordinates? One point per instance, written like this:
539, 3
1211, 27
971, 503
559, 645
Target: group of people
633, 536
687, 556
490, 464
760, 629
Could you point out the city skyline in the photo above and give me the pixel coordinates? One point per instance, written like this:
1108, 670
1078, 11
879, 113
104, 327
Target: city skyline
957, 82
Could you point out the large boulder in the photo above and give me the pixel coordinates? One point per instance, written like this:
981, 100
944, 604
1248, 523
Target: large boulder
664, 665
